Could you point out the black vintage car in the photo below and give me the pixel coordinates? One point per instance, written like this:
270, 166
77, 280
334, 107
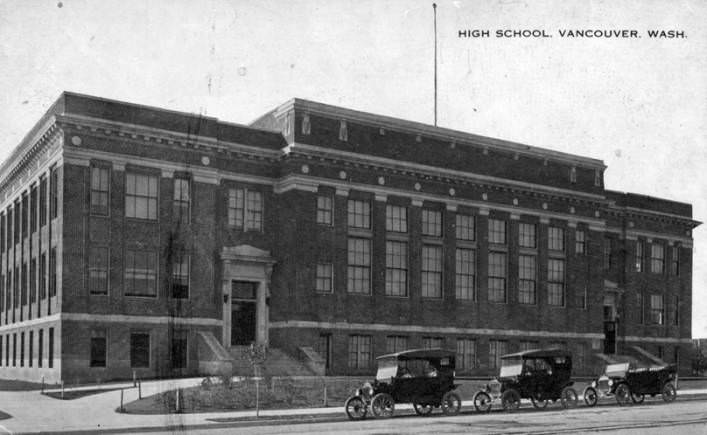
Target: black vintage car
541, 375
423, 377
629, 380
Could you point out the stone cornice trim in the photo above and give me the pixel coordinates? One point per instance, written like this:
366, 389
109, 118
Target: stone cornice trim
634, 234
11, 193
112, 318
655, 339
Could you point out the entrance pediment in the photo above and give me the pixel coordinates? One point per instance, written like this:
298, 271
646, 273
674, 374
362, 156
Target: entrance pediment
246, 253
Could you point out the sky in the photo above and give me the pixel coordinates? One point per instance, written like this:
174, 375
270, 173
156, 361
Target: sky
639, 104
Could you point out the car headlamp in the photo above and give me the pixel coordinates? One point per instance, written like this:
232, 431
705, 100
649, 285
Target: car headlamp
594, 384
611, 382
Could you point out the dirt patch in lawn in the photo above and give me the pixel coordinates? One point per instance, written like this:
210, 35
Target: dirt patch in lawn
77, 394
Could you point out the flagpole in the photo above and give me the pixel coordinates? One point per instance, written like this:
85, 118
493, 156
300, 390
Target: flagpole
434, 7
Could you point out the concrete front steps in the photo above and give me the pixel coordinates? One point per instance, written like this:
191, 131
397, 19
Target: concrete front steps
278, 363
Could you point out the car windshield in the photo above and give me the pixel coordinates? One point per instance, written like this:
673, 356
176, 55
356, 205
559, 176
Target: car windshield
387, 369
511, 367
616, 369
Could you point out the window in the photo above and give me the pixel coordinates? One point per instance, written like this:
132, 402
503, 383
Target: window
140, 273
597, 178
573, 175
25, 208
98, 270
556, 282
657, 313
2, 233
7, 351
396, 268
180, 204
50, 362
236, 207
359, 351
30, 351
657, 258
465, 227
1, 350
40, 348
52, 273
639, 256
660, 352
23, 284
141, 196
608, 249
180, 275
431, 271
528, 345
254, 211
324, 349
432, 342
396, 218
42, 276
306, 125
179, 349
343, 131
99, 190
16, 226
675, 260
42, 202
395, 343
526, 235
98, 348
581, 298
16, 288
497, 231
497, 348
640, 307
465, 279
54, 193
325, 278
431, 223
497, 277
359, 214
556, 239
22, 349
139, 350
526, 279
580, 355
580, 242
466, 354
14, 350
325, 210
32, 281
676, 312
359, 266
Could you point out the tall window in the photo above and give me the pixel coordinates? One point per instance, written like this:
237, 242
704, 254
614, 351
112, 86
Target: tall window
98, 348
52, 272
2, 233
179, 349
254, 210
580, 355
431, 271
396, 218
497, 277
465, 279
42, 276
359, 351
639, 256
180, 275
25, 209
573, 175
23, 284
657, 311
528, 345
50, 362
431, 223
16, 226
676, 310
22, 349
526, 279
466, 354
325, 210
497, 231
32, 281
141, 196
657, 258
465, 227
608, 248
359, 266
640, 307
556, 239
245, 209
359, 214
181, 200
675, 260
555, 282
395, 343
497, 348
432, 342
580, 242
396, 268
54, 194
324, 278
139, 350
526, 235
40, 348
42, 201
140, 273
99, 190
98, 270
581, 297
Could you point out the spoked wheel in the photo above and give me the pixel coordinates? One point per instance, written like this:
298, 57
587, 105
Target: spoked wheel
590, 396
568, 398
422, 409
510, 400
482, 401
356, 408
623, 395
668, 392
382, 405
451, 403
637, 398
538, 403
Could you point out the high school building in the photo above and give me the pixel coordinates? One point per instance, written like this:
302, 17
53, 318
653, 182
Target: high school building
141, 240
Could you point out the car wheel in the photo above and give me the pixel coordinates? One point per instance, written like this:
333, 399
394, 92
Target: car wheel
623, 394
422, 409
510, 400
568, 398
451, 403
590, 396
637, 398
482, 401
382, 405
538, 403
669, 393
356, 408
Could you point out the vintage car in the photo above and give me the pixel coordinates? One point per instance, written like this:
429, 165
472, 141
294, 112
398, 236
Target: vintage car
629, 380
423, 377
541, 375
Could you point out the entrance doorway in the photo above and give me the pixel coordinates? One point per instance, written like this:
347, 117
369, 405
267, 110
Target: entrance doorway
243, 312
610, 317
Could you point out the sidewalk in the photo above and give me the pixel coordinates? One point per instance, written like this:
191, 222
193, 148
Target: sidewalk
33, 413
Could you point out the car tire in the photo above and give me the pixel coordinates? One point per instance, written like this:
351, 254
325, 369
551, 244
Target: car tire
451, 403
623, 394
668, 392
422, 409
510, 399
538, 403
382, 405
482, 401
568, 398
356, 408
590, 396
637, 398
